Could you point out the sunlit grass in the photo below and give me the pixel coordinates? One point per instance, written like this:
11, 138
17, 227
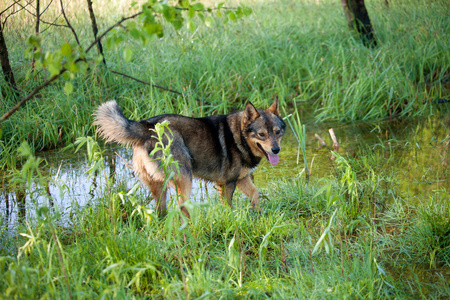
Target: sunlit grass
349, 234
116, 247
301, 51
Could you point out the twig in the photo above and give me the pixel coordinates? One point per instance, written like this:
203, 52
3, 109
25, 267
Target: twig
335, 142
31, 95
45, 9
111, 28
124, 160
68, 23
15, 12
53, 78
333, 137
147, 83
50, 24
322, 142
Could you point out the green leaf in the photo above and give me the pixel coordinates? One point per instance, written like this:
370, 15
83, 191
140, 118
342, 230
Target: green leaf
83, 66
127, 54
177, 24
158, 7
209, 21
34, 41
68, 88
191, 25
135, 33
231, 15
198, 6
191, 12
184, 3
53, 69
247, 10
66, 50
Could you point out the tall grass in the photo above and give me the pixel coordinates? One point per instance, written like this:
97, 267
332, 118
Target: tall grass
350, 234
301, 51
308, 243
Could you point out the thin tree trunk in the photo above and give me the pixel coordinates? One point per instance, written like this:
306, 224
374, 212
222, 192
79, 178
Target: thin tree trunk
38, 18
6, 66
95, 29
358, 18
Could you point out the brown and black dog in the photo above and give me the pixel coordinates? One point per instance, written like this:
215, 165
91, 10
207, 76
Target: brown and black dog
224, 149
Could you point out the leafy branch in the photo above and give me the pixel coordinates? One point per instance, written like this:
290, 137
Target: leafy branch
70, 59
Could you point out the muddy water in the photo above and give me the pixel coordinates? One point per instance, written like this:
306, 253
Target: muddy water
417, 152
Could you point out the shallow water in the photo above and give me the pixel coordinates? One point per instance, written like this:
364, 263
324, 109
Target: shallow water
417, 153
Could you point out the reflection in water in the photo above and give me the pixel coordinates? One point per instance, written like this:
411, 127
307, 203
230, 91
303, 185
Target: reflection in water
415, 151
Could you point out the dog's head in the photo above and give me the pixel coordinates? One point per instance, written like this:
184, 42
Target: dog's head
263, 130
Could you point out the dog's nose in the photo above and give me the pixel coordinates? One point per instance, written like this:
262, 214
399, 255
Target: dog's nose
276, 150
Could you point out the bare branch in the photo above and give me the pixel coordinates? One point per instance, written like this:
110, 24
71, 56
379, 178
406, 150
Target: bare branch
54, 77
23, 7
68, 23
31, 95
53, 24
14, 2
147, 83
45, 9
111, 28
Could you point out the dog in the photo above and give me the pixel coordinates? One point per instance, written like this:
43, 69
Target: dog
225, 149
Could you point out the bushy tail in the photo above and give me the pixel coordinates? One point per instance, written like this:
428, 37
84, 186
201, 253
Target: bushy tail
113, 126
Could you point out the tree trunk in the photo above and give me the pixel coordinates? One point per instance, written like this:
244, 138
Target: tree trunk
358, 18
6, 66
38, 18
95, 29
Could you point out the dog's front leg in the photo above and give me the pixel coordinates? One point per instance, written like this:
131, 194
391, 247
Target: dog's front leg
249, 189
226, 192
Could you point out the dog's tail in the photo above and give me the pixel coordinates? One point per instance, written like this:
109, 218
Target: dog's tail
113, 126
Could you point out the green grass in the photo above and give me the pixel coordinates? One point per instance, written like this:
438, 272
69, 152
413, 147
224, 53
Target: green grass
336, 237
301, 51
350, 234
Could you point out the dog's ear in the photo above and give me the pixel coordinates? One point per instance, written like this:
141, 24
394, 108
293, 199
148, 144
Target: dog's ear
250, 113
275, 108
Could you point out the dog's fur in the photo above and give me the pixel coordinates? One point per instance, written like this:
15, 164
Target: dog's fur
225, 149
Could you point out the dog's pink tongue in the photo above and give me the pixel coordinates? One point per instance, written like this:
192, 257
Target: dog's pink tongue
273, 158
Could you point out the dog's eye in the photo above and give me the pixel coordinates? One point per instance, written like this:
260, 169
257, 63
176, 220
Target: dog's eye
261, 134
277, 132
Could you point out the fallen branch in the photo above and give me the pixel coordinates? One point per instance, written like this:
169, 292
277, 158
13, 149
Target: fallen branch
322, 142
335, 142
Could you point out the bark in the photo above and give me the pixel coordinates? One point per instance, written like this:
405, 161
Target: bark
95, 29
38, 18
358, 18
6, 66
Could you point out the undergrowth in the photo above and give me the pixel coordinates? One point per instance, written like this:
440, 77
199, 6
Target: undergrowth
301, 51
335, 237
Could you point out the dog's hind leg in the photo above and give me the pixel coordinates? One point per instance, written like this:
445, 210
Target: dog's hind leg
249, 189
183, 186
226, 192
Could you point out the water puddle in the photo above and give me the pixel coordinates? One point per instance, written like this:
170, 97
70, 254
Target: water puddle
417, 152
